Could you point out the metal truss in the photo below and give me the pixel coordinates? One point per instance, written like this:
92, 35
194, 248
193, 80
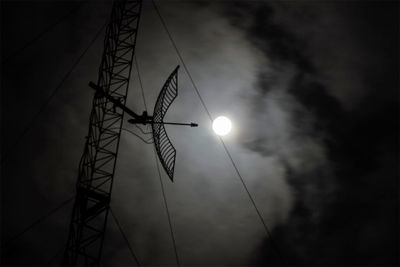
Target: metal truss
97, 165
165, 150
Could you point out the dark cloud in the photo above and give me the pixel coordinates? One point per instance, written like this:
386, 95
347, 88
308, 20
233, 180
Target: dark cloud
339, 216
311, 87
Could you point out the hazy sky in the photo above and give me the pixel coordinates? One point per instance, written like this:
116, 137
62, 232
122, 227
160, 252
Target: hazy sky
311, 88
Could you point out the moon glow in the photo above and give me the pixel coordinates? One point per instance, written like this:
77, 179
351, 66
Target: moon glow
222, 125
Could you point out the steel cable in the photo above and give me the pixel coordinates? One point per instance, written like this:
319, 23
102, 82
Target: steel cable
40, 35
125, 237
49, 98
222, 141
161, 183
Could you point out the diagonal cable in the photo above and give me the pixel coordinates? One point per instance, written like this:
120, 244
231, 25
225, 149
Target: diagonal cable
143, 97
142, 131
49, 98
222, 141
58, 253
125, 237
180, 57
40, 35
140, 82
161, 182
51, 212
149, 141
167, 210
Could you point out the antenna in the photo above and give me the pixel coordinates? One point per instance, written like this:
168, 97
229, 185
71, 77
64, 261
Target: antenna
98, 162
165, 150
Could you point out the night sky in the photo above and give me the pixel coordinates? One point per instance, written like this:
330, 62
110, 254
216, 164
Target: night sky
311, 88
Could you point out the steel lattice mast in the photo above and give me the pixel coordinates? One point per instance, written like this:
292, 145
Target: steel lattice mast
97, 165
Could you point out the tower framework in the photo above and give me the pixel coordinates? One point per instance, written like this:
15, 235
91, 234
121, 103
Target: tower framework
97, 165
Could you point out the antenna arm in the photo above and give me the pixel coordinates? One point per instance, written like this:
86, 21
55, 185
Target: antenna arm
139, 118
192, 124
150, 121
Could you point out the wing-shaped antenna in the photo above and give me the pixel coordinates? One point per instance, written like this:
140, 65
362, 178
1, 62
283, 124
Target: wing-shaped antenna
165, 150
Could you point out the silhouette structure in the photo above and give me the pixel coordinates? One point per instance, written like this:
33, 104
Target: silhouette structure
97, 165
165, 150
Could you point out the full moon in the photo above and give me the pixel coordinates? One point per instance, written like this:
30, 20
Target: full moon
222, 125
